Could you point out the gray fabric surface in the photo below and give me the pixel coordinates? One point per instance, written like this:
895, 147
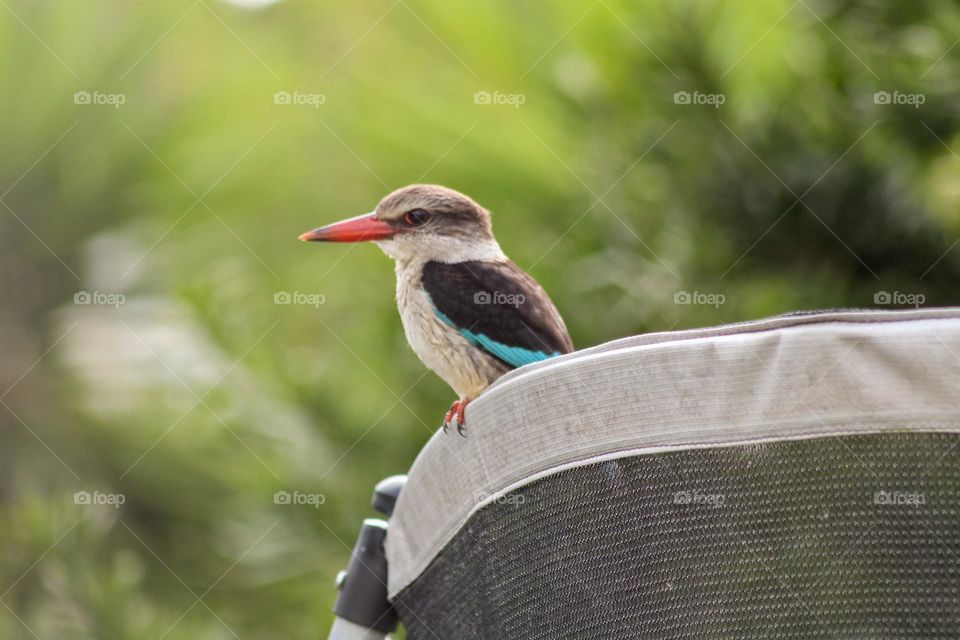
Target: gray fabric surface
783, 378
849, 536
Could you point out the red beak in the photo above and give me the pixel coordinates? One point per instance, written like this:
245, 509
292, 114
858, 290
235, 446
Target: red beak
358, 229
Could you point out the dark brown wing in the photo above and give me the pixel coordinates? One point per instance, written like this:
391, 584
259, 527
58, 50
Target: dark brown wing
499, 308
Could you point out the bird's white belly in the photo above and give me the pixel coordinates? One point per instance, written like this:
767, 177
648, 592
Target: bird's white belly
461, 365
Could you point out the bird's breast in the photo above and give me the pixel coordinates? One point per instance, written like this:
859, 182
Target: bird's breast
440, 347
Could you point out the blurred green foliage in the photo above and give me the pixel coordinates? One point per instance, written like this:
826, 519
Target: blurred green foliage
198, 397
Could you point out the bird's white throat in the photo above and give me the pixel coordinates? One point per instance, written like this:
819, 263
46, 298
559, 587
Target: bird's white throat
417, 250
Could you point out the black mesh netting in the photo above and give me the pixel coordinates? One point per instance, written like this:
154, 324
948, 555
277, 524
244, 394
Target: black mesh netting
841, 537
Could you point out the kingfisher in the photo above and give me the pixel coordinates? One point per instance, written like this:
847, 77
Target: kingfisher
469, 313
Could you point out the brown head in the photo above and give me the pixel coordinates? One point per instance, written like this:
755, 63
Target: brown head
420, 221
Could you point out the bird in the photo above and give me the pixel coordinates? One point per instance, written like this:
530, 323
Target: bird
469, 313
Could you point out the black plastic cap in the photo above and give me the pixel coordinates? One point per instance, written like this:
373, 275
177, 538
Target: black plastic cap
363, 588
386, 494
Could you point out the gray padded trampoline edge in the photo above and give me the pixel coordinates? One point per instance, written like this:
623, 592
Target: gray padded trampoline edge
452, 478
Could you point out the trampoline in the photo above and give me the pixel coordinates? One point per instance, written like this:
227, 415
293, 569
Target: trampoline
794, 477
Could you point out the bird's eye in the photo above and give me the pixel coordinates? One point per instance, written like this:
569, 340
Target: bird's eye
416, 217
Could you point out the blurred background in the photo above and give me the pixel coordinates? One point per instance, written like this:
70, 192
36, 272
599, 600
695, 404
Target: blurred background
194, 407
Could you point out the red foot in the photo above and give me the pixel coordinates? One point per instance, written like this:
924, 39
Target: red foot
455, 416
450, 414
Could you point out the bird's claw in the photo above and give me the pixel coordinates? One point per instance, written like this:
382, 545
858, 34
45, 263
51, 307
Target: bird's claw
447, 419
455, 416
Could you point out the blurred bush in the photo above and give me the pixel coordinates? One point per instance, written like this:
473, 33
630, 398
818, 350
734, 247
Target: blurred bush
160, 158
